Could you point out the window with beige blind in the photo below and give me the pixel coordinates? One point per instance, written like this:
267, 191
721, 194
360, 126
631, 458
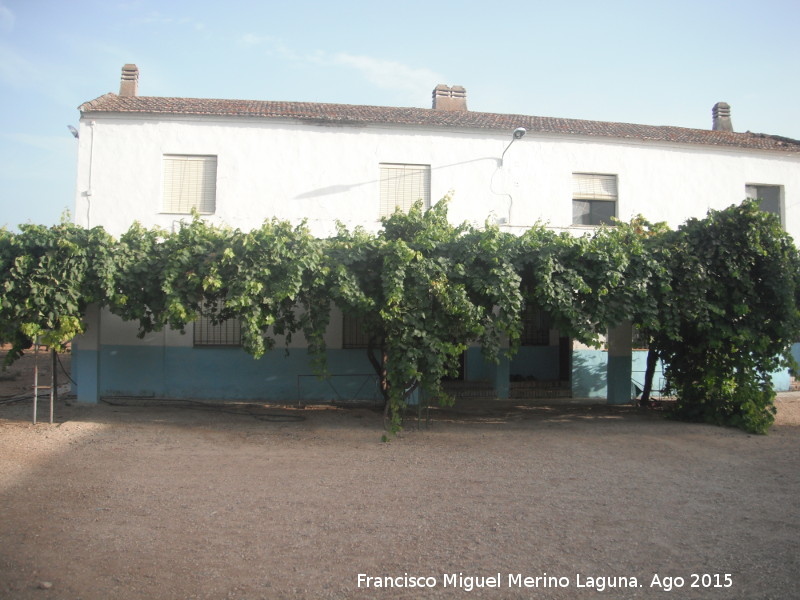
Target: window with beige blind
401, 185
190, 183
594, 199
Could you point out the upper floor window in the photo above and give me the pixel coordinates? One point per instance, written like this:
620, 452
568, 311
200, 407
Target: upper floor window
402, 185
190, 182
594, 199
768, 196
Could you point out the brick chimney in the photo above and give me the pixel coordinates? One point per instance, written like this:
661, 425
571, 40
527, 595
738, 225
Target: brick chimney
449, 98
721, 117
129, 84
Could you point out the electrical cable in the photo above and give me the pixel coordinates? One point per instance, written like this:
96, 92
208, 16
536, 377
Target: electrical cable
65, 371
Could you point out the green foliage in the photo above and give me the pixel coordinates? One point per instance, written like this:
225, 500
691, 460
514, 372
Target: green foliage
588, 284
729, 315
140, 260
274, 280
270, 278
718, 298
424, 289
49, 276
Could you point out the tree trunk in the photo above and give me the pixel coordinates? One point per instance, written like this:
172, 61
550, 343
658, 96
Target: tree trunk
380, 370
650, 369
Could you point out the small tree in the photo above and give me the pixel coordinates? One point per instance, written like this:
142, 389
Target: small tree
730, 316
424, 290
49, 276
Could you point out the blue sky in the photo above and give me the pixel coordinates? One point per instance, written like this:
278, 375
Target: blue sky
655, 62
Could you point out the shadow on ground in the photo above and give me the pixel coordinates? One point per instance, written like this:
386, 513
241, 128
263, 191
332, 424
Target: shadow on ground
194, 412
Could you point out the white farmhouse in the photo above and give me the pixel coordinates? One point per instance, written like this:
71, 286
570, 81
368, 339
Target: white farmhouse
239, 162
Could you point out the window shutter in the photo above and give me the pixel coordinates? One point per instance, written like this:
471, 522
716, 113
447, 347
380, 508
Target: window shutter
190, 182
589, 186
402, 185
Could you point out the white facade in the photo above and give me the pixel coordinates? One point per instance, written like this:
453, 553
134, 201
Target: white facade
323, 163
323, 173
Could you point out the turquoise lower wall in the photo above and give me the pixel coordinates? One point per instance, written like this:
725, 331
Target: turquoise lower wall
230, 373
619, 387
638, 368
539, 362
589, 370
475, 367
781, 380
226, 374
85, 374
796, 353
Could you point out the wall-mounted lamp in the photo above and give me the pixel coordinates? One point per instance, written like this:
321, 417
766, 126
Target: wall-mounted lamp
517, 135
73, 131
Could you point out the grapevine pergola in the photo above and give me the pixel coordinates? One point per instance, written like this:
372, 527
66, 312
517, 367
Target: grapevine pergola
717, 298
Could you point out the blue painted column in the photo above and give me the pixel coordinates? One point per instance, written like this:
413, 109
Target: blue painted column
620, 364
86, 358
502, 375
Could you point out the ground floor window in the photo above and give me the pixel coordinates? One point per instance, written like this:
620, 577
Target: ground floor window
535, 327
354, 334
209, 331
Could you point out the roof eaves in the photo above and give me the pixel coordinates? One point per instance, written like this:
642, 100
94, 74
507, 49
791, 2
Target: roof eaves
361, 115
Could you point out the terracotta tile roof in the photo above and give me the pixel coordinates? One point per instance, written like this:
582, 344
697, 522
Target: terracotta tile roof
315, 112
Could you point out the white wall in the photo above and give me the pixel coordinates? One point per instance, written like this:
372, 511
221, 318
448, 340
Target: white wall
105, 328
322, 173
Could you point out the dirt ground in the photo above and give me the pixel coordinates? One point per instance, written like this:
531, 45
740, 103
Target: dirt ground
140, 499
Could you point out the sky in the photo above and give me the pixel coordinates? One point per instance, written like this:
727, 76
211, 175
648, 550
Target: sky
652, 62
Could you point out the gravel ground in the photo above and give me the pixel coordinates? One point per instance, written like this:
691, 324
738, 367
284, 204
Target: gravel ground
145, 500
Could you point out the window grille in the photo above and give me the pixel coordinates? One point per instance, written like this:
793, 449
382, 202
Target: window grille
594, 199
354, 334
535, 327
190, 182
402, 185
221, 333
